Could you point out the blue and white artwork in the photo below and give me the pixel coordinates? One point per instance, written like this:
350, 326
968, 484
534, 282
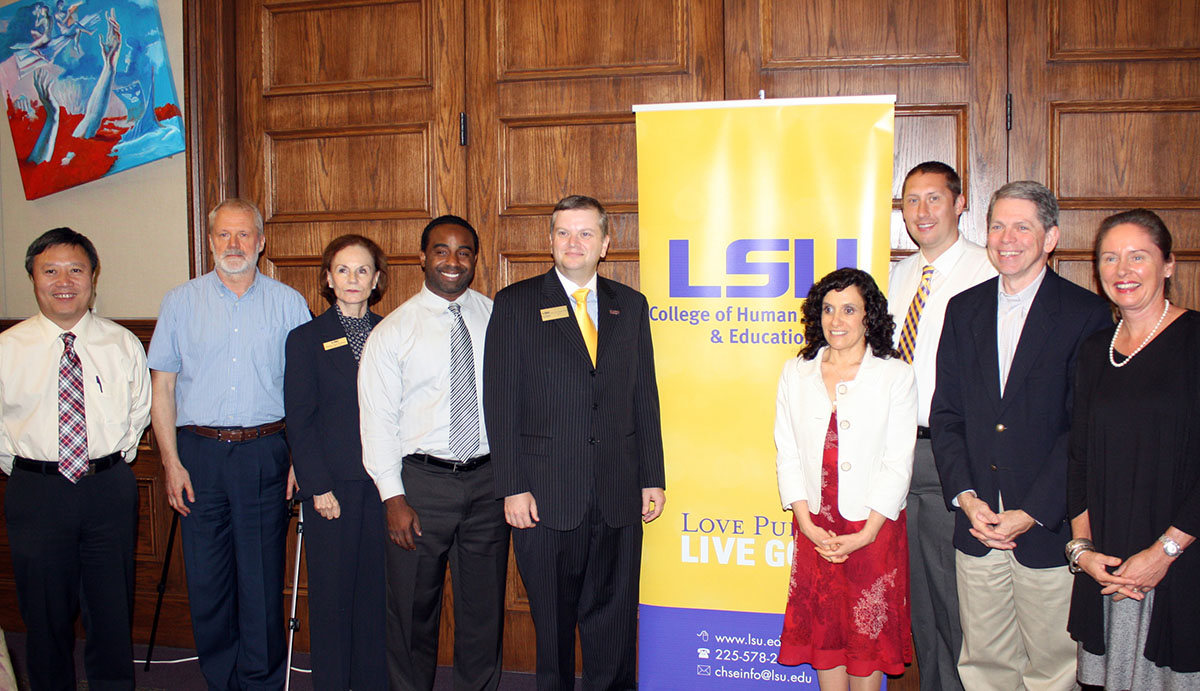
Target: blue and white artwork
89, 89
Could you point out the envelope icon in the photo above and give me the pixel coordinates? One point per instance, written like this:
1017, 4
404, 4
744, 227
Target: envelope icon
704, 670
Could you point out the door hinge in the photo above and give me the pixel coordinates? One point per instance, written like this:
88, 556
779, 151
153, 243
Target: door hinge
1008, 112
462, 129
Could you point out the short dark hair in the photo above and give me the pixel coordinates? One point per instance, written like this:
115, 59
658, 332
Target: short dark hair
340, 243
1148, 221
579, 201
1035, 192
61, 236
447, 219
876, 318
953, 181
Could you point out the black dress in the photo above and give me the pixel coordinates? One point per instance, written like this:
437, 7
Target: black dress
1135, 467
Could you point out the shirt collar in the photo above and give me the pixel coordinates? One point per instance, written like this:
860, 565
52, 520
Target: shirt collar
946, 261
52, 331
436, 303
570, 286
224, 290
1025, 296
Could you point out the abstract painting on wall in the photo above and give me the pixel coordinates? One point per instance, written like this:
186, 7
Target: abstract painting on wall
89, 89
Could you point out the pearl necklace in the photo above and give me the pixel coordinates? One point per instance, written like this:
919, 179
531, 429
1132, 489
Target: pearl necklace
1113, 343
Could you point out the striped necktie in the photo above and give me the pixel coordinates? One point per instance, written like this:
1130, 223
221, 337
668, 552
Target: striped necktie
464, 405
72, 427
585, 322
908, 336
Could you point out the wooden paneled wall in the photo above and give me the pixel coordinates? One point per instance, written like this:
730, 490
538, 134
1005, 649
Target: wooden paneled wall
373, 116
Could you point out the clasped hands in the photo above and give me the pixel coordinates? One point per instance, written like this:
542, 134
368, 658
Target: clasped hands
834, 548
1132, 578
994, 530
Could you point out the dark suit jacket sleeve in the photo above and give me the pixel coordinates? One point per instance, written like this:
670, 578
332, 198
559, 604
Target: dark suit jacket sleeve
1046, 500
501, 394
649, 433
947, 419
301, 397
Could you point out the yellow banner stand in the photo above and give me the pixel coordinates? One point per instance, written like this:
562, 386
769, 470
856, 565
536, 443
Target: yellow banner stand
742, 205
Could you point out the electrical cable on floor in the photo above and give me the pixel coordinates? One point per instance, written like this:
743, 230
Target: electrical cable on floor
194, 658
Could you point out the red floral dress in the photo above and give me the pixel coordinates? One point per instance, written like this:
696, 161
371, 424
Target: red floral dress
855, 613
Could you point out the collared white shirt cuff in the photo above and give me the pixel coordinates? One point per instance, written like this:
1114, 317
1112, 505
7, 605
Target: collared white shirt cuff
389, 486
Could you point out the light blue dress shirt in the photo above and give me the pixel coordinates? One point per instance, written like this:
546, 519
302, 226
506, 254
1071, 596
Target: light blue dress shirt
228, 351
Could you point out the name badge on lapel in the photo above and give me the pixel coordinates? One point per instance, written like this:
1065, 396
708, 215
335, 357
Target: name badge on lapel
551, 313
335, 343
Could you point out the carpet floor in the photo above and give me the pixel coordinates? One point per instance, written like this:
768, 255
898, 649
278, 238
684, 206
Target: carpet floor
184, 673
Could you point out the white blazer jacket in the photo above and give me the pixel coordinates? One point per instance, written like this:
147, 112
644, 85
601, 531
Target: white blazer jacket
877, 430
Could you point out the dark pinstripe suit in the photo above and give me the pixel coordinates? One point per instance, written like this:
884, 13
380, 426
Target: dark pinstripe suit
584, 441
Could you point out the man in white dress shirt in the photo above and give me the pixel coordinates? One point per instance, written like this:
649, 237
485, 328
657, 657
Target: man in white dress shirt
425, 445
75, 396
919, 288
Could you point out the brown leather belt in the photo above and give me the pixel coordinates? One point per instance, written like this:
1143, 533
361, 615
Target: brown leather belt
51, 467
236, 434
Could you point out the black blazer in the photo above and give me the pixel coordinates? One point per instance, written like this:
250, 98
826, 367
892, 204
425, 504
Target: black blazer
320, 396
560, 428
1015, 445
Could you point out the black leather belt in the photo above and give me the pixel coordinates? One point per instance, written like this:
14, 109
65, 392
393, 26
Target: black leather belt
456, 466
923, 432
236, 434
98, 465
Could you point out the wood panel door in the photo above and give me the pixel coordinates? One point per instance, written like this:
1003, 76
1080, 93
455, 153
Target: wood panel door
551, 86
348, 122
1106, 113
945, 60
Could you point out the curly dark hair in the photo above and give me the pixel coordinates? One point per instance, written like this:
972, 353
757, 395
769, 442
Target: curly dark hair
878, 321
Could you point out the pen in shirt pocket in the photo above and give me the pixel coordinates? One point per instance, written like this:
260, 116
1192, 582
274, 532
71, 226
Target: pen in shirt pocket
99, 384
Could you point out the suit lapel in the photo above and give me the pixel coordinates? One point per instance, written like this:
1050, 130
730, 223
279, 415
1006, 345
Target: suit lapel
342, 357
610, 315
553, 295
1038, 326
984, 328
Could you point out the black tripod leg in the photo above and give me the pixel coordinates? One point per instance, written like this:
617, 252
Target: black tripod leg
162, 587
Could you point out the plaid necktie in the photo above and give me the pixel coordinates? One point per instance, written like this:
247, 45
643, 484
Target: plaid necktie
585, 322
908, 336
72, 428
464, 406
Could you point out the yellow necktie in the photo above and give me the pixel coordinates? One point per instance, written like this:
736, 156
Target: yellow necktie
585, 322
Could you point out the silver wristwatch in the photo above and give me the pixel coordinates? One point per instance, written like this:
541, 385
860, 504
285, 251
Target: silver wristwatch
1170, 547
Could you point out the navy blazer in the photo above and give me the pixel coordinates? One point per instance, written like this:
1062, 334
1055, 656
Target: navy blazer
320, 396
559, 427
1015, 445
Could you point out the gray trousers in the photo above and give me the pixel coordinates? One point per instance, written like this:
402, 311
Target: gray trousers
462, 524
937, 631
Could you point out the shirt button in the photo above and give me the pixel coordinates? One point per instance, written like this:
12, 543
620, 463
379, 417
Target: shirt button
994, 468
841, 388
844, 424
593, 441
1000, 428
846, 466
595, 406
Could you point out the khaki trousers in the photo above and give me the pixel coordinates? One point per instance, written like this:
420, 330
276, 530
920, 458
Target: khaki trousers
1014, 622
